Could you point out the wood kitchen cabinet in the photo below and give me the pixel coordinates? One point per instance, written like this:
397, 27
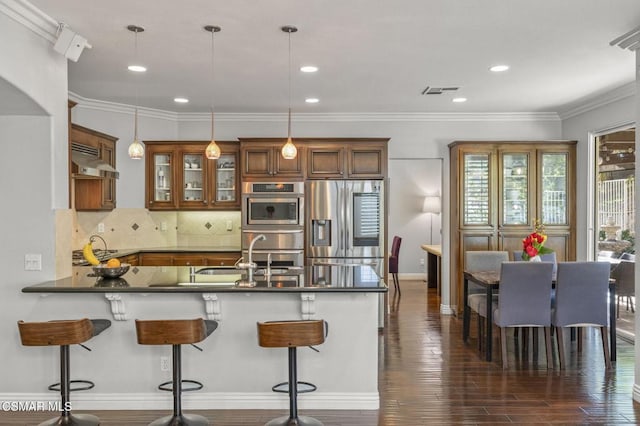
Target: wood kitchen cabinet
261, 159
180, 177
499, 189
92, 193
131, 259
189, 258
346, 158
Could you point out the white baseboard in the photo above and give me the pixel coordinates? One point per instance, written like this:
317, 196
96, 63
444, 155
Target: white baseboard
447, 310
636, 392
208, 400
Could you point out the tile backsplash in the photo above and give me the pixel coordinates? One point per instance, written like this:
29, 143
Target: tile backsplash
141, 228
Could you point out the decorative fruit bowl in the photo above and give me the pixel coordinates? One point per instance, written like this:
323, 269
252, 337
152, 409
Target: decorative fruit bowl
107, 272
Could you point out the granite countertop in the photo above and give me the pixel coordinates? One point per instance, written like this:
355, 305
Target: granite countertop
176, 279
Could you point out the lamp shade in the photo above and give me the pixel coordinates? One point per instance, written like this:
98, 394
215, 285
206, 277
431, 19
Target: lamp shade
431, 204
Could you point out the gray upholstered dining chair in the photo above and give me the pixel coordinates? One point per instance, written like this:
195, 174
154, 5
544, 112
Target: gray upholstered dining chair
549, 257
525, 301
581, 301
624, 274
476, 261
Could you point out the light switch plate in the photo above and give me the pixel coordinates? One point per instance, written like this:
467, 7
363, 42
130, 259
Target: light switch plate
33, 262
229, 225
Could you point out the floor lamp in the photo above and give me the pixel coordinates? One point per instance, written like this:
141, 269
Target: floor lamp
431, 205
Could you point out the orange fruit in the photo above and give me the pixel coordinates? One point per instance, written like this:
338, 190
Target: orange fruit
113, 263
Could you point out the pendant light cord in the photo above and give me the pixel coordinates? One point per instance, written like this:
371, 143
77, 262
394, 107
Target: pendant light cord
135, 113
213, 51
289, 69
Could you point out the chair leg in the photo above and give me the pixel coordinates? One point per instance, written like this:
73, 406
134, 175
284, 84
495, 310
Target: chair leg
560, 340
605, 346
396, 283
480, 331
503, 345
547, 342
579, 333
633, 309
618, 307
535, 342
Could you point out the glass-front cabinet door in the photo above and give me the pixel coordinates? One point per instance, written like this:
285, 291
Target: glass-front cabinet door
226, 181
476, 201
160, 184
515, 171
554, 177
193, 190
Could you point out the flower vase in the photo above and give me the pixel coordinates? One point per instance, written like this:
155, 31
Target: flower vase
535, 259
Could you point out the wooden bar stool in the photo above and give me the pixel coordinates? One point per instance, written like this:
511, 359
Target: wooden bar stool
176, 333
292, 334
64, 333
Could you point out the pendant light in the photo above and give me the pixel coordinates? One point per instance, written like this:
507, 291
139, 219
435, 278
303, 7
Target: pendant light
213, 150
136, 149
289, 150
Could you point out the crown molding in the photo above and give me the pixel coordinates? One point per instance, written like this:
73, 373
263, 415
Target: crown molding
31, 17
86, 103
589, 104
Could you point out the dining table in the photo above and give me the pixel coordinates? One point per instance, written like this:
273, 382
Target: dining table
490, 281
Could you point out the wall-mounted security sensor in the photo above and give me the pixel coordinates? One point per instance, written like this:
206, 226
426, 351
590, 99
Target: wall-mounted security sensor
70, 44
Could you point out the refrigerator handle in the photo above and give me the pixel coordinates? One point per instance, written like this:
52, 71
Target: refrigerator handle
341, 216
347, 217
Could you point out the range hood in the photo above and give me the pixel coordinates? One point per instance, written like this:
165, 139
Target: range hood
88, 162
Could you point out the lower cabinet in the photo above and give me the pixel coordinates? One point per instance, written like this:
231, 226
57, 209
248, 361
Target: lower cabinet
189, 259
131, 259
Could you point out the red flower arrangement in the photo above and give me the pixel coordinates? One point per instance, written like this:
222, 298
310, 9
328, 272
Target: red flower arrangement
533, 244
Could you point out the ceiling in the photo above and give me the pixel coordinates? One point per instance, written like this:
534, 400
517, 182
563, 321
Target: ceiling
373, 56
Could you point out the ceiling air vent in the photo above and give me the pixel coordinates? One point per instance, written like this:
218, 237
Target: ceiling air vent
438, 90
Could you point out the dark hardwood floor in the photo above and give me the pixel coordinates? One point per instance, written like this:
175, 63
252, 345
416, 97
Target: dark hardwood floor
429, 377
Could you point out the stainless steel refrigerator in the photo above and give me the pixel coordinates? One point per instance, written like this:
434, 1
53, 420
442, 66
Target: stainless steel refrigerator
344, 225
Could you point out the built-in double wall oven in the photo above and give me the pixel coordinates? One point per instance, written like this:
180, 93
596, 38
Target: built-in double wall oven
275, 209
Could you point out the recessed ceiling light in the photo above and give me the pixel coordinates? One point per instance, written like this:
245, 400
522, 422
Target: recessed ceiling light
309, 68
181, 100
459, 100
137, 68
499, 68
312, 100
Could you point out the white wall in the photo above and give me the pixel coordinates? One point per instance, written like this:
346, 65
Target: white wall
410, 180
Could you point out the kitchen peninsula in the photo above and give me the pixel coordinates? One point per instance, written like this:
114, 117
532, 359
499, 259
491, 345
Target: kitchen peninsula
236, 372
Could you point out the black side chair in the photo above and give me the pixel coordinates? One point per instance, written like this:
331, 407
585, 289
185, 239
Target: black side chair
64, 333
176, 333
624, 274
393, 262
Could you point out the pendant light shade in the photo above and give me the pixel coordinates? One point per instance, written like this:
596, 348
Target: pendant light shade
213, 150
136, 149
289, 150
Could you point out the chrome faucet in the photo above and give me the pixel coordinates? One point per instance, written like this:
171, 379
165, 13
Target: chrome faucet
250, 265
268, 271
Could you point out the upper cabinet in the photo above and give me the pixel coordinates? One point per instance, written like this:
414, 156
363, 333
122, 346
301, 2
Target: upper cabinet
346, 158
91, 193
499, 189
180, 177
261, 159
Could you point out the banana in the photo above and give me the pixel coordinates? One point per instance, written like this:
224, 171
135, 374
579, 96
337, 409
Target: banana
87, 252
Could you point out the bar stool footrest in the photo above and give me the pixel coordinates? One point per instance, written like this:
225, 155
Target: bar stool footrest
299, 421
168, 386
303, 387
89, 385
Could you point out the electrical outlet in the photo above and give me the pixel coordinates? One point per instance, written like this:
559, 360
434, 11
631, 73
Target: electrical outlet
101, 228
422, 261
229, 225
164, 363
33, 262
163, 226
